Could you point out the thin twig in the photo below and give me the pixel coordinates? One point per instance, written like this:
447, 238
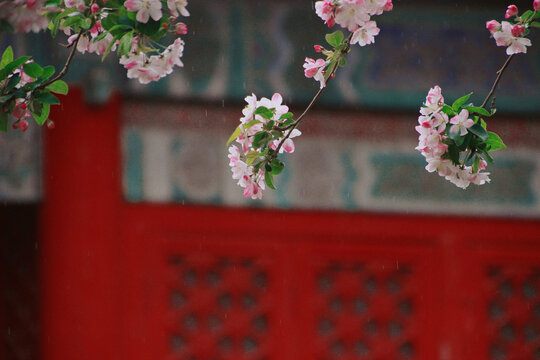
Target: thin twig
499, 75
301, 117
64, 70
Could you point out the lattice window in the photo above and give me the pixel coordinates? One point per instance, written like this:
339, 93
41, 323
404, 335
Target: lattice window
367, 311
220, 307
514, 313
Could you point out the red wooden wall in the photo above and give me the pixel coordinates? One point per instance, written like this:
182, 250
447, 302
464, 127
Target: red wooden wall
132, 281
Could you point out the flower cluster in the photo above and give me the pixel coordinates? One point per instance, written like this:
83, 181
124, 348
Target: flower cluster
512, 35
266, 129
354, 15
152, 68
25, 15
458, 152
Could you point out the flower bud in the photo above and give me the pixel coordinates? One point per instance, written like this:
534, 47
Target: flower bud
319, 48
518, 30
536, 5
512, 10
493, 26
181, 29
165, 25
23, 125
388, 6
94, 8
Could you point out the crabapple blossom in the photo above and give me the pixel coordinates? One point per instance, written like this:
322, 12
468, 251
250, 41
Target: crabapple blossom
365, 34
505, 37
145, 9
461, 123
493, 26
432, 142
536, 5
512, 10
178, 6
250, 163
315, 69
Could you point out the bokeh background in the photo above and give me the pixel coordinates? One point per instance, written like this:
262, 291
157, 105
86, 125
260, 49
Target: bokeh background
123, 235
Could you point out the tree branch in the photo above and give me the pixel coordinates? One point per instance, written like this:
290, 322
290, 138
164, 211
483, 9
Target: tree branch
499, 75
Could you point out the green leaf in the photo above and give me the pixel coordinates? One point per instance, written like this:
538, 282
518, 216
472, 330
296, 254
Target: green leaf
286, 116
264, 112
453, 154
109, 48
58, 87
3, 121
277, 166
458, 139
150, 28
48, 71
251, 157
5, 98
462, 100
40, 119
33, 70
126, 42
46, 97
477, 110
483, 124
495, 142
53, 2
486, 156
479, 131
269, 180
526, 15
86, 23
13, 81
7, 57
236, 133
334, 39
535, 24
12, 66
120, 29
448, 110
342, 61
72, 21
476, 163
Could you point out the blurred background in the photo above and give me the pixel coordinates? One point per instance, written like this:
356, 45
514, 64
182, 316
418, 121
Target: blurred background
123, 235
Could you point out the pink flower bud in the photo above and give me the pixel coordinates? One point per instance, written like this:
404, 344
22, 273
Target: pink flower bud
536, 5
165, 25
482, 165
518, 30
15, 125
319, 48
94, 8
181, 29
331, 22
23, 125
30, 3
388, 6
512, 10
493, 26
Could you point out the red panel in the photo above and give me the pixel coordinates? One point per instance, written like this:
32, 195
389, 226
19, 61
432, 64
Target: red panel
143, 282
80, 303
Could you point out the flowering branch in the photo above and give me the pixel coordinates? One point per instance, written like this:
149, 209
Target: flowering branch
461, 151
267, 128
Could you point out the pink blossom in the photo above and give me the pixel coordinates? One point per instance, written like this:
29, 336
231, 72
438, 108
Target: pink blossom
315, 69
512, 10
366, 34
178, 6
493, 26
504, 37
180, 29
376, 7
325, 10
517, 30
351, 15
388, 6
145, 9
461, 123
536, 5
319, 48
288, 144
79, 4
